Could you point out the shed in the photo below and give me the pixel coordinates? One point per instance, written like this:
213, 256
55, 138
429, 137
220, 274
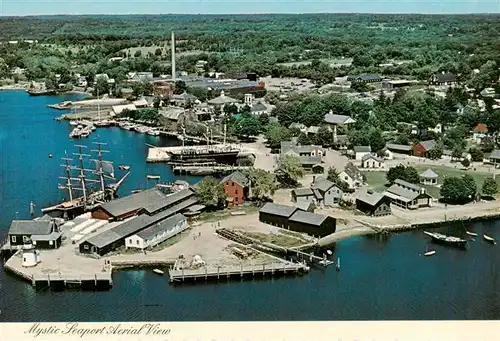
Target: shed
313, 224
276, 214
399, 148
374, 204
22, 231
422, 148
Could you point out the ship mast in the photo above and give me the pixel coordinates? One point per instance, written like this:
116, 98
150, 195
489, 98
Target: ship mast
68, 185
82, 169
98, 107
99, 161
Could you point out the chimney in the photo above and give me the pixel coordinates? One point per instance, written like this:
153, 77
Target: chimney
173, 56
314, 179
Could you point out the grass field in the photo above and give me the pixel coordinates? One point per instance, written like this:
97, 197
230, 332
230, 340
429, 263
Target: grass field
377, 180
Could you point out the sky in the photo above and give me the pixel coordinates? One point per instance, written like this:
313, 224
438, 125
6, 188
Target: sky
45, 7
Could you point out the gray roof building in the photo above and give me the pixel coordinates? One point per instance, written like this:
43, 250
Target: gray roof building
398, 147
338, 119
161, 226
429, 144
322, 184
302, 192
429, 174
495, 154
371, 199
308, 218
362, 149
31, 227
238, 177
258, 107
277, 209
222, 99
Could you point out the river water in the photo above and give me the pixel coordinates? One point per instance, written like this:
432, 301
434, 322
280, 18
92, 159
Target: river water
382, 277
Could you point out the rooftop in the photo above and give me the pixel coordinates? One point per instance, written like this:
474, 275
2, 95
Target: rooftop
338, 119
277, 209
300, 192
429, 174
308, 218
322, 184
31, 227
238, 177
161, 226
371, 199
362, 149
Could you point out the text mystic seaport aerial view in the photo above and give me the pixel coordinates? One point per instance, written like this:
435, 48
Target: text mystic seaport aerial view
249, 167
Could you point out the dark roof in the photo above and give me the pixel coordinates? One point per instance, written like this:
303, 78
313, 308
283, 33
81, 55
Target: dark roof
46, 237
277, 209
403, 147
371, 199
300, 192
364, 78
308, 218
322, 184
258, 107
352, 170
135, 225
446, 77
161, 226
151, 200
31, 227
238, 177
304, 205
362, 149
310, 160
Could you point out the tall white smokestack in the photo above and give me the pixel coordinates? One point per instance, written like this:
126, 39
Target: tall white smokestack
173, 56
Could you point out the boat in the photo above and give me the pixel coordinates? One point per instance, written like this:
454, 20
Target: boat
430, 253
50, 156
40, 92
103, 123
136, 191
73, 123
75, 133
85, 133
151, 177
471, 233
158, 272
329, 252
450, 240
153, 132
124, 167
489, 239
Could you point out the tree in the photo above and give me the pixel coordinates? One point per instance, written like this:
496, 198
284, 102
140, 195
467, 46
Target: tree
101, 87
490, 187
275, 134
264, 120
435, 153
262, 184
158, 52
180, 87
401, 172
465, 162
333, 176
454, 191
137, 54
470, 186
487, 144
476, 154
456, 153
247, 126
303, 139
289, 170
211, 193
323, 137
377, 141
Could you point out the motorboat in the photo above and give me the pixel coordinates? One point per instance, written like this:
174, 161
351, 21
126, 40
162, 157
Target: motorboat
329, 252
152, 177
430, 253
489, 239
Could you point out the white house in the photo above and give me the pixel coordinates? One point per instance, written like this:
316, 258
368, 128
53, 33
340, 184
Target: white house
388, 154
438, 129
372, 161
157, 233
361, 151
352, 176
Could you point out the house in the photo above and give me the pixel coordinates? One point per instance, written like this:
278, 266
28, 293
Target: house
495, 157
150, 202
183, 98
303, 195
364, 79
443, 78
408, 195
236, 188
158, 232
361, 151
480, 131
126, 92
352, 176
299, 150
399, 148
222, 100
372, 161
340, 142
170, 117
422, 148
82, 81
305, 206
258, 109
115, 237
44, 234
301, 127
276, 214
374, 204
316, 225
395, 84
141, 76
429, 177
338, 120
325, 191
387, 153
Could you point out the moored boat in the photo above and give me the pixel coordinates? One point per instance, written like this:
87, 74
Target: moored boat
152, 177
489, 239
124, 167
471, 233
158, 272
430, 253
449, 240
153, 132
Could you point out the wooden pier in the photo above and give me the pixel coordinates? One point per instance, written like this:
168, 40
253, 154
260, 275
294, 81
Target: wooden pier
244, 271
205, 170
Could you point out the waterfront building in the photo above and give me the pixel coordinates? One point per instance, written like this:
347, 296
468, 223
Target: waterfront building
157, 233
236, 188
148, 202
276, 214
374, 204
316, 225
429, 177
408, 195
43, 234
325, 191
422, 148
372, 161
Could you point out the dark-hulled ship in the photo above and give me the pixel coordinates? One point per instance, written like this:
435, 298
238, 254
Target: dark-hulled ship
447, 240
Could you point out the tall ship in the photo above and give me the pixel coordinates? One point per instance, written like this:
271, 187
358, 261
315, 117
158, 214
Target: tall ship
86, 180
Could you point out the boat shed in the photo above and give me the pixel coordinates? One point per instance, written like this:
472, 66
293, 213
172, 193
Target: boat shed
374, 204
408, 195
150, 202
115, 237
276, 214
42, 233
313, 224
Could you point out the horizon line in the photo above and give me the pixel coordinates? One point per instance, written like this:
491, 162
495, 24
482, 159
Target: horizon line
256, 14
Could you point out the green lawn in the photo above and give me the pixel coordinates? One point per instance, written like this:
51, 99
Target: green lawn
377, 180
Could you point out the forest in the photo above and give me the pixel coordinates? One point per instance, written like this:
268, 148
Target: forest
253, 43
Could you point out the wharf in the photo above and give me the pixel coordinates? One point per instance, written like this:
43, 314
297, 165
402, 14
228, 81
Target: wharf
216, 273
206, 170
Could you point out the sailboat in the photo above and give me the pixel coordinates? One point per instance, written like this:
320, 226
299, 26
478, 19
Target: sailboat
80, 177
489, 239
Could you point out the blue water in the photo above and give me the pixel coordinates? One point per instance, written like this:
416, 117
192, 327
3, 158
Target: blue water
382, 277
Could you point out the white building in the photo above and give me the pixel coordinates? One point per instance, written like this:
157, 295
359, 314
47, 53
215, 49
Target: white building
157, 233
372, 161
352, 176
361, 151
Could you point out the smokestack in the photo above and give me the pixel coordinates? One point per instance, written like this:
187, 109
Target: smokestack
173, 56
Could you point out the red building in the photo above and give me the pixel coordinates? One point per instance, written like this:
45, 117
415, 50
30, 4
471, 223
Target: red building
236, 188
421, 149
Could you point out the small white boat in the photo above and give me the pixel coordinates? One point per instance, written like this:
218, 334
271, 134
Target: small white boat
489, 239
124, 167
153, 132
430, 253
329, 252
152, 176
73, 123
471, 233
158, 272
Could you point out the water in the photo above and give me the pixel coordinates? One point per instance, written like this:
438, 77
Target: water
383, 278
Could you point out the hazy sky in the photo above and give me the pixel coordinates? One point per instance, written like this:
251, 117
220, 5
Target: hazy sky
33, 7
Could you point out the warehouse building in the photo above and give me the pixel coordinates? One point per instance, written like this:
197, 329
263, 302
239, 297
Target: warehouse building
316, 225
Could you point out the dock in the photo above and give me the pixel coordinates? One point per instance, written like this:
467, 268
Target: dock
208, 170
244, 271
